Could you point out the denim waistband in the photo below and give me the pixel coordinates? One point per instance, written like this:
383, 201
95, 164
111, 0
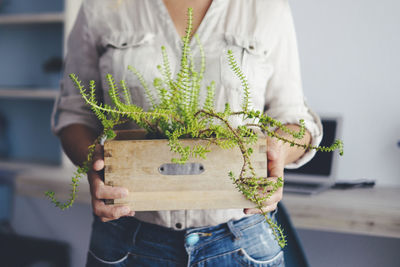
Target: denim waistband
232, 226
160, 234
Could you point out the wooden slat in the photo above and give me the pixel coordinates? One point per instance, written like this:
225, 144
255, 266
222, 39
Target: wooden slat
134, 164
178, 200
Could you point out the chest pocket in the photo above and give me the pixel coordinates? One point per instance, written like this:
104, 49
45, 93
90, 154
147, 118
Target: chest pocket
252, 58
122, 49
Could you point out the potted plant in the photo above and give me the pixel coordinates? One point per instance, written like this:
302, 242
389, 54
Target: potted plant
190, 129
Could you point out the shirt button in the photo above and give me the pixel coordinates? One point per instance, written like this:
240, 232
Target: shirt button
178, 225
192, 239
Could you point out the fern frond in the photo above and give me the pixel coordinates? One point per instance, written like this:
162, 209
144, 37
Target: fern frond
127, 93
143, 82
166, 66
202, 58
245, 85
209, 102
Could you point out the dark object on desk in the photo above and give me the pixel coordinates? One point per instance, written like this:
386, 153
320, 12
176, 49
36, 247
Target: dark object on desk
320, 173
354, 184
19, 251
305, 188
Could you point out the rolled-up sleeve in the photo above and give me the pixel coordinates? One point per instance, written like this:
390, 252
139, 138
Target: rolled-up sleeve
284, 94
81, 59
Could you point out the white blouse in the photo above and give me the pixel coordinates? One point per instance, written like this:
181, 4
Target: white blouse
107, 37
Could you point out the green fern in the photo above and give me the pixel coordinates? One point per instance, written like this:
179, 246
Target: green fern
245, 85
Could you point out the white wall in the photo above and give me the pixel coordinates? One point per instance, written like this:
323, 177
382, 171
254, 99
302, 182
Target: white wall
350, 59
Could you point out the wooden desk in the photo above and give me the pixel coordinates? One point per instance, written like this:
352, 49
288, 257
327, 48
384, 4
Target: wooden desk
374, 211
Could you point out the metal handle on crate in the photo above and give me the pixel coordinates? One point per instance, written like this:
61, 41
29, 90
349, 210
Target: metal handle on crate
181, 169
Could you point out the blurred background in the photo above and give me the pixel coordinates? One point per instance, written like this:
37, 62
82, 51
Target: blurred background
350, 63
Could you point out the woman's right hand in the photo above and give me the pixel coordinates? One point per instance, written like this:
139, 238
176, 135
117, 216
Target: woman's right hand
100, 191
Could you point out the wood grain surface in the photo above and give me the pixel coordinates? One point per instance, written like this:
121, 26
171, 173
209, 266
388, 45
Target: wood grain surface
134, 164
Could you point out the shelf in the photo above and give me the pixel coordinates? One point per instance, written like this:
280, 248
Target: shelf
32, 180
28, 93
20, 166
32, 18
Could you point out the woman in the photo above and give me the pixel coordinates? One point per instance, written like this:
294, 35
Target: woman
107, 37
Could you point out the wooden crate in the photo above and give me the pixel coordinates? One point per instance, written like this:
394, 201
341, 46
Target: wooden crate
142, 167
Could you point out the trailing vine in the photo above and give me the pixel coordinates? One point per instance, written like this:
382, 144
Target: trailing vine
176, 113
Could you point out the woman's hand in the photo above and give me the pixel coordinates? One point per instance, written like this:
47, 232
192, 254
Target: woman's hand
100, 191
276, 157
75, 139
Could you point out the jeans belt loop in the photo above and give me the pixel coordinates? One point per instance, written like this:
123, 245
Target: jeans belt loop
235, 231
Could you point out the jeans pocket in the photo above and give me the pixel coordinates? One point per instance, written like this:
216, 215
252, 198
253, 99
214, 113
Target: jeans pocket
259, 247
110, 243
98, 261
271, 261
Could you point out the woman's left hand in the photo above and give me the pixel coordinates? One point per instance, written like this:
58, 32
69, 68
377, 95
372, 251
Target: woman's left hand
276, 158
278, 155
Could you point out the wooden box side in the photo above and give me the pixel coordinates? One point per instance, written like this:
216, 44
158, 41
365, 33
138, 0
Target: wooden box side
135, 165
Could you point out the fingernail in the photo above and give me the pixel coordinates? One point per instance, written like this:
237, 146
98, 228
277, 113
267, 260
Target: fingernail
124, 193
126, 210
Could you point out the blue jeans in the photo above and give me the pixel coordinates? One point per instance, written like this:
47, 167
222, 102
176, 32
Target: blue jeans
130, 242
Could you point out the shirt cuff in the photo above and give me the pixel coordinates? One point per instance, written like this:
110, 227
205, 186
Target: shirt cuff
313, 124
